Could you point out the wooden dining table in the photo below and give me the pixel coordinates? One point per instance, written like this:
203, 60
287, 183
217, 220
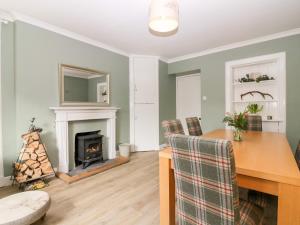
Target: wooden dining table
264, 162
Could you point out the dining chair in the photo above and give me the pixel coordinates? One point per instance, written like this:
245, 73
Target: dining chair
194, 126
206, 183
258, 198
254, 122
297, 155
172, 127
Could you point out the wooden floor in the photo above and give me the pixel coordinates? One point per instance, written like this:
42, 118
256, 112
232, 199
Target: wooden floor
124, 195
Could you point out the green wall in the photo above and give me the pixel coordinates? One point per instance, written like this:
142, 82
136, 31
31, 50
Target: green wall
213, 80
8, 95
76, 89
167, 97
30, 80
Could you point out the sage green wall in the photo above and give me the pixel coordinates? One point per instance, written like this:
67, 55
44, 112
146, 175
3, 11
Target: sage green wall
38, 53
167, 101
213, 80
8, 100
76, 89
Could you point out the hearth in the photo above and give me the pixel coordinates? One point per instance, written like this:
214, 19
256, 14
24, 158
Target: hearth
88, 148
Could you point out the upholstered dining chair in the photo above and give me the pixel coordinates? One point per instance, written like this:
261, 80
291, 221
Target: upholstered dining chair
254, 122
194, 126
206, 184
297, 155
171, 127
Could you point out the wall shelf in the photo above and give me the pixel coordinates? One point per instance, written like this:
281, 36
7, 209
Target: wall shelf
254, 83
272, 65
255, 101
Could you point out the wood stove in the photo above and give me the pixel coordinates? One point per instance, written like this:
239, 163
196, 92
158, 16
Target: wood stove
88, 148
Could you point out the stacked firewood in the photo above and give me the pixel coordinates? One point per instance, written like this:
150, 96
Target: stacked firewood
33, 162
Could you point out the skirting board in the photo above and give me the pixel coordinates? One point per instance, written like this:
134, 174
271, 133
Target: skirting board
71, 179
5, 181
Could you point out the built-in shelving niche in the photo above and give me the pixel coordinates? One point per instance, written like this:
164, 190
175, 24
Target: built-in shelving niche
271, 65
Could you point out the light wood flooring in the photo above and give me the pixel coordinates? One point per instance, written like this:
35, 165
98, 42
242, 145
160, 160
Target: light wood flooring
124, 195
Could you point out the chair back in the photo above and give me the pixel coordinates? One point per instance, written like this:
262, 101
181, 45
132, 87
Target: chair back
172, 127
205, 180
254, 122
297, 155
194, 126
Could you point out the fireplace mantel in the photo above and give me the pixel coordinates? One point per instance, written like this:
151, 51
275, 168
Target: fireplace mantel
66, 114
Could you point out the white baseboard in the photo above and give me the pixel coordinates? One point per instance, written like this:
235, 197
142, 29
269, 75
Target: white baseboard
5, 181
162, 146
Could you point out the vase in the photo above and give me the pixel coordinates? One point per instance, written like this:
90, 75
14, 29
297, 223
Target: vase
237, 134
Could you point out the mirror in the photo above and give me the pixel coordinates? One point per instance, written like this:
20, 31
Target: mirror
80, 86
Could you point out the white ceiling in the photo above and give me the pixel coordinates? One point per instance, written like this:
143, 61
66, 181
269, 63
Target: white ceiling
122, 24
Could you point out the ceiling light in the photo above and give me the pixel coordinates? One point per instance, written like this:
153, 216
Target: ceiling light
163, 15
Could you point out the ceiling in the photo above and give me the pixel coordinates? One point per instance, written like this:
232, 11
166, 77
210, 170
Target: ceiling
122, 24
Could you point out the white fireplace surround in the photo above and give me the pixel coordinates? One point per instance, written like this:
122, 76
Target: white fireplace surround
66, 114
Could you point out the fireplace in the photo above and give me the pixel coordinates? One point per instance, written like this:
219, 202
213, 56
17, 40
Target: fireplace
88, 148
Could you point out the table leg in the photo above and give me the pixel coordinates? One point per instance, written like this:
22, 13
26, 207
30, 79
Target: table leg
288, 205
166, 192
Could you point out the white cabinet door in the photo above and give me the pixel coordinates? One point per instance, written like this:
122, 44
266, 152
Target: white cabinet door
144, 113
145, 80
146, 125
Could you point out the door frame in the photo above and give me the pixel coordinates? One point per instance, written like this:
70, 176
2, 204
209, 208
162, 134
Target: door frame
190, 75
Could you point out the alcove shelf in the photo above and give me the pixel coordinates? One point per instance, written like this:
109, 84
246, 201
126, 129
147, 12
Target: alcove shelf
274, 108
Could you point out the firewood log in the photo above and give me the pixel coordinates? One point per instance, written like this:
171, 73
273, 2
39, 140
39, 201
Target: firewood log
33, 156
41, 149
37, 172
30, 162
24, 167
42, 158
29, 172
25, 156
35, 165
46, 168
29, 150
21, 179
34, 144
45, 161
41, 154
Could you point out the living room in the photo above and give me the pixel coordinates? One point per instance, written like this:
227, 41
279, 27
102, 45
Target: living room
108, 73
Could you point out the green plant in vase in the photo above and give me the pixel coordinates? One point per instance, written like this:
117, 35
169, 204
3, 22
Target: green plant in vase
254, 108
238, 121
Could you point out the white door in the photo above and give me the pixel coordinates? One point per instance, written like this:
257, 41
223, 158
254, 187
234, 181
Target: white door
144, 119
188, 98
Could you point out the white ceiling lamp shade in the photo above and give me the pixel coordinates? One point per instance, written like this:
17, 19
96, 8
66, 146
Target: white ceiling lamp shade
163, 15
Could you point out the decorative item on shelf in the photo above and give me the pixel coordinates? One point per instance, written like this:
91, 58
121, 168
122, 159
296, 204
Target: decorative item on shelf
239, 122
252, 77
258, 92
269, 117
246, 79
263, 78
33, 162
254, 108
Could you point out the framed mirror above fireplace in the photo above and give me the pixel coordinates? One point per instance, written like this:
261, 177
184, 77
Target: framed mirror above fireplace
83, 87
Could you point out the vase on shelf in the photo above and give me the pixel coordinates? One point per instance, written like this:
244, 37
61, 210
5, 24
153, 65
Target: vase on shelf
237, 134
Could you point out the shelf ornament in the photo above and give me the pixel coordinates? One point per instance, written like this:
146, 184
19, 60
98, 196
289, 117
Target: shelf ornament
258, 92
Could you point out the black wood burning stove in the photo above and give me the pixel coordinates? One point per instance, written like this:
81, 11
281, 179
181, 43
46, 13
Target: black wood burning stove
88, 148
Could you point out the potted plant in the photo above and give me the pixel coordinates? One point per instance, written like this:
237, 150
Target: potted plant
254, 108
238, 121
